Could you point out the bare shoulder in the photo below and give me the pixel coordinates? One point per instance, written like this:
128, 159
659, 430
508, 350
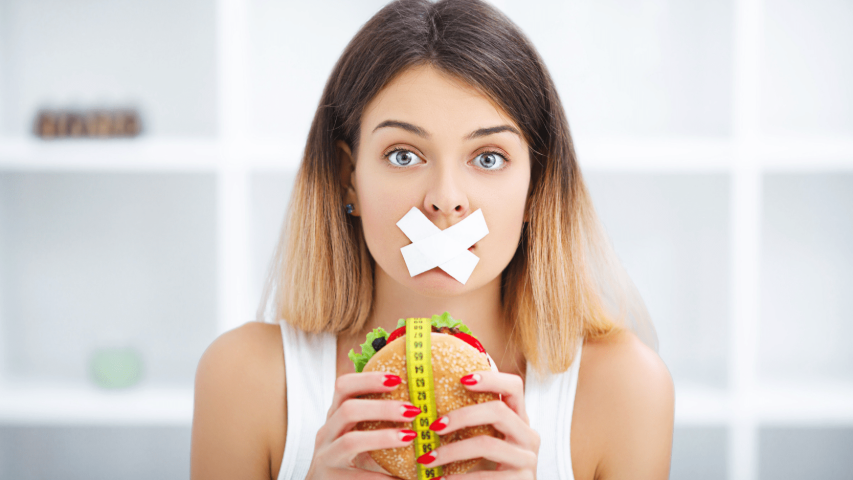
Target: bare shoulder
238, 412
630, 395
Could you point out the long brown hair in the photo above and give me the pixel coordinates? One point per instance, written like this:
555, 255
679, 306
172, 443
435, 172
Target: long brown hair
564, 282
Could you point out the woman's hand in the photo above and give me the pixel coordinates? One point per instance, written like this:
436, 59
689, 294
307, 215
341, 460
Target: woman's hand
339, 450
516, 456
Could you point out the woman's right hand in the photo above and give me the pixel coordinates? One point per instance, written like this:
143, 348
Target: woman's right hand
337, 445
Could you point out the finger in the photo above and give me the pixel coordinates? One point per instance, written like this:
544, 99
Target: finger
354, 384
492, 475
508, 456
494, 413
357, 410
509, 386
358, 474
345, 448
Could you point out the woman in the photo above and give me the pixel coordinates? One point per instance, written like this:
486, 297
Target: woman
445, 107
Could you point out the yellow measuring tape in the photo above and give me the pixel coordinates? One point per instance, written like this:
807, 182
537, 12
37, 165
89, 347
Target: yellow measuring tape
421, 392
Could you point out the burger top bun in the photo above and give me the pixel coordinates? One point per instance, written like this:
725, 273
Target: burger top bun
452, 359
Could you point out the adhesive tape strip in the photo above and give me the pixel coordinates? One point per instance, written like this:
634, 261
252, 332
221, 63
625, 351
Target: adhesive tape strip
447, 249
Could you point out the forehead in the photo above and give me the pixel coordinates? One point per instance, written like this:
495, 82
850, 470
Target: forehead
443, 105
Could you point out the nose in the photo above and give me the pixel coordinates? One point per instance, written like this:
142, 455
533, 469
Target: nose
445, 202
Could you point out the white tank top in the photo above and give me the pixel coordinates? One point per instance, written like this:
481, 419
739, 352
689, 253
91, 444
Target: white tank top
310, 365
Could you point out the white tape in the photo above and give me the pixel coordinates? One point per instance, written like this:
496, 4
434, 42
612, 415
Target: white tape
447, 249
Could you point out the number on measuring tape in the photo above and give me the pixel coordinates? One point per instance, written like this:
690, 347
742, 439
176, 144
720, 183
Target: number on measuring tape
421, 390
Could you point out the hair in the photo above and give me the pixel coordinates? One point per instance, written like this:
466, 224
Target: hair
564, 282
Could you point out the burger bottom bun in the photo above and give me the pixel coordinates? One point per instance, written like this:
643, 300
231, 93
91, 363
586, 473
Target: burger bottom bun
452, 359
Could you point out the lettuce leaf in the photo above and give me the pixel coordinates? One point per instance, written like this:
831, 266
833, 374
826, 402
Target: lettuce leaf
443, 320
367, 351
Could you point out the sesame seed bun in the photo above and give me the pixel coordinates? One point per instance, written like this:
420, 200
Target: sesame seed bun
452, 359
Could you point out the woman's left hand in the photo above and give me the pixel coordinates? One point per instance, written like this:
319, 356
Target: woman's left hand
516, 456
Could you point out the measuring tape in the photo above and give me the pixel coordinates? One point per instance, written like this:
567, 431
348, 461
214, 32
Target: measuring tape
421, 392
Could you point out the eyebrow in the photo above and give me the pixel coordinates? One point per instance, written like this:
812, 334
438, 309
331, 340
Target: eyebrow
480, 132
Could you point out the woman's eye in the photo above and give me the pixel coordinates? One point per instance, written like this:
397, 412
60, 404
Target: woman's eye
403, 158
490, 160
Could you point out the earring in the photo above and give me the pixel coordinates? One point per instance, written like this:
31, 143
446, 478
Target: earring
349, 209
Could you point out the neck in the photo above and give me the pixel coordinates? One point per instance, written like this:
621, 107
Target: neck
479, 309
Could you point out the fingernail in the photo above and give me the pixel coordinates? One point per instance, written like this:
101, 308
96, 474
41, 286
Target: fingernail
392, 380
439, 424
407, 435
427, 457
470, 379
410, 411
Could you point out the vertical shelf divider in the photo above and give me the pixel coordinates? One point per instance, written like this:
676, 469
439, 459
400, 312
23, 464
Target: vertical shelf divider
233, 171
3, 272
746, 242
4, 23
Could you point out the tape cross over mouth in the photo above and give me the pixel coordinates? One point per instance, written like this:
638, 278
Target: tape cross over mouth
447, 249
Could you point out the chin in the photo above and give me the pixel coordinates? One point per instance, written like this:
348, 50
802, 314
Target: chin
437, 283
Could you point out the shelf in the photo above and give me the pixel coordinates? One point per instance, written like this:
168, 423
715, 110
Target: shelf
109, 155
805, 153
777, 405
671, 232
81, 405
771, 404
691, 116
806, 271
661, 154
150, 155
600, 153
128, 261
697, 405
804, 404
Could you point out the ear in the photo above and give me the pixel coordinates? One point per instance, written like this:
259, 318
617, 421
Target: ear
346, 164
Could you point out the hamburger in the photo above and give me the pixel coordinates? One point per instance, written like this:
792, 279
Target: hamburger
456, 352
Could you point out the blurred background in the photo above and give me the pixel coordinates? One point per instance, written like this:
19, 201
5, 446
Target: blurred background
716, 138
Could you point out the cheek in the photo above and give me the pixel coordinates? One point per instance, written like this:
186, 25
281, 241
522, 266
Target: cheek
505, 219
380, 211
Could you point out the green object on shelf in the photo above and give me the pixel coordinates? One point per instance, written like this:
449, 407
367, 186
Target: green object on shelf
116, 367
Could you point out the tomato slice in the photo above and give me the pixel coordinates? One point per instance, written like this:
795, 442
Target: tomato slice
401, 332
396, 333
470, 341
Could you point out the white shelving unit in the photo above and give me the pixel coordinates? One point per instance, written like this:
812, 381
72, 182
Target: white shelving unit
735, 146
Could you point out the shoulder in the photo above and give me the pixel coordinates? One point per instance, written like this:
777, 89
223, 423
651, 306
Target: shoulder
244, 355
248, 342
630, 364
239, 393
635, 405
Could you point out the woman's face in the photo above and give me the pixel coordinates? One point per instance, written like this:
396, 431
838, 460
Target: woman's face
428, 159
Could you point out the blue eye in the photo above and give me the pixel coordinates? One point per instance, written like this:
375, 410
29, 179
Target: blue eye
490, 160
403, 158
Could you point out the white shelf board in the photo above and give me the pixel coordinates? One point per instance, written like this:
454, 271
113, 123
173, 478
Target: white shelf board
774, 405
697, 155
86, 405
109, 155
189, 154
654, 154
805, 153
812, 405
698, 405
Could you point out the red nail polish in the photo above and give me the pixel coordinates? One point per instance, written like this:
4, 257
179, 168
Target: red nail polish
408, 435
426, 458
469, 379
411, 411
392, 380
437, 425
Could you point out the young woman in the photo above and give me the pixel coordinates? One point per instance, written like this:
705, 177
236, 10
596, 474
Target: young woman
445, 107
